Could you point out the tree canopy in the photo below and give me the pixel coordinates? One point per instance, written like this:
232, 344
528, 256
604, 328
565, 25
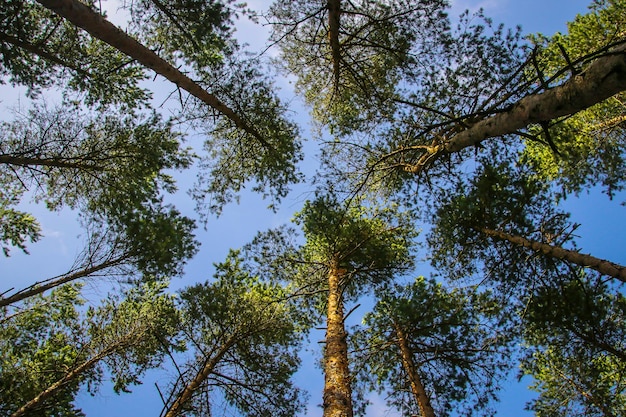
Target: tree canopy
447, 148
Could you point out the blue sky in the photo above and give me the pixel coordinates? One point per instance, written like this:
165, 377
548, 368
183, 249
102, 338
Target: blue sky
603, 230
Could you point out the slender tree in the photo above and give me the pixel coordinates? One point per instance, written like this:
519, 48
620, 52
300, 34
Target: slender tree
508, 206
601, 265
49, 350
347, 250
350, 55
244, 333
433, 350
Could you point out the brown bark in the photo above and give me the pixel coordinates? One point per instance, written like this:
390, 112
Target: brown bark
337, 388
334, 19
84, 17
602, 79
200, 377
43, 286
417, 388
603, 266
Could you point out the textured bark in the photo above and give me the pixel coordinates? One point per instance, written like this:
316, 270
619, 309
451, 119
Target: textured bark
603, 266
100, 28
191, 387
337, 389
604, 78
334, 21
417, 388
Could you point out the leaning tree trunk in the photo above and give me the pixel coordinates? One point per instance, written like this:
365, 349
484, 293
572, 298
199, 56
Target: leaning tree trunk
84, 17
192, 386
603, 266
43, 286
602, 79
417, 387
337, 389
40, 399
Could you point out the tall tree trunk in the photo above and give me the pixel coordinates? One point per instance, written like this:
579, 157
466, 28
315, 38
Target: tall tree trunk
84, 17
602, 79
603, 266
191, 387
337, 389
417, 388
334, 21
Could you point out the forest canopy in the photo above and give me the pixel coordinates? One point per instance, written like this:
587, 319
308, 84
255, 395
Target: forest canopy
379, 198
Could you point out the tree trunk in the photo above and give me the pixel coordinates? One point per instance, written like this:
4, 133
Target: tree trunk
27, 408
603, 266
48, 162
94, 23
334, 21
602, 79
208, 367
417, 388
43, 286
337, 389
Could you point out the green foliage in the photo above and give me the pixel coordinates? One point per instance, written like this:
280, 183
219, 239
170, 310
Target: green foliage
498, 197
37, 346
194, 32
591, 145
137, 329
39, 49
112, 168
372, 244
234, 157
251, 329
577, 355
49, 340
15, 226
349, 84
458, 340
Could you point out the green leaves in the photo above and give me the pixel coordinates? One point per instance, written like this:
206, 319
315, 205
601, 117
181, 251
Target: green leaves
111, 168
348, 71
235, 158
575, 329
457, 340
16, 227
371, 244
41, 50
590, 144
50, 348
245, 334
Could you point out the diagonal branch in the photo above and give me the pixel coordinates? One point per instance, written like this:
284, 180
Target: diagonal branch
603, 266
84, 17
604, 78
